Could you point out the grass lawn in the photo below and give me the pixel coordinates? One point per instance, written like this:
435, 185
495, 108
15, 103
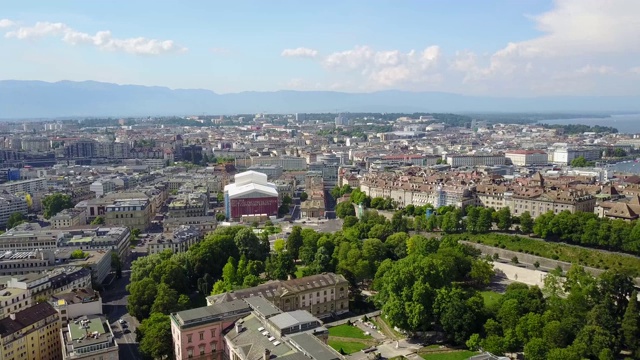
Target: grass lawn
349, 347
455, 355
558, 251
299, 271
490, 297
347, 331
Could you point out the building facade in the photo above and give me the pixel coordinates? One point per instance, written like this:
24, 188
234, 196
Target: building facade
33, 333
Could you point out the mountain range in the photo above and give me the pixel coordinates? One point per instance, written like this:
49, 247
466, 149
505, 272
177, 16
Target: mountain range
38, 99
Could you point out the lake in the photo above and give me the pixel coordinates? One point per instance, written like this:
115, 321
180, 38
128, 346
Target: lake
628, 124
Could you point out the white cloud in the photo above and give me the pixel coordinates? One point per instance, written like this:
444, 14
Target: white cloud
576, 34
635, 70
103, 40
6, 23
300, 52
391, 68
600, 70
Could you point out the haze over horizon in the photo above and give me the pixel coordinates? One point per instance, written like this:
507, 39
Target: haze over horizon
494, 48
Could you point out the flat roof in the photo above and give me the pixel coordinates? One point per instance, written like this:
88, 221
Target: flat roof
87, 325
212, 313
312, 346
263, 306
291, 318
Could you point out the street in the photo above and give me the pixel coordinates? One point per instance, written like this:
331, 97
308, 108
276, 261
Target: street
114, 304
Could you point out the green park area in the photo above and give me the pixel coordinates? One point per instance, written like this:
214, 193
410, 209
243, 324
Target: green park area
491, 298
453, 355
339, 339
347, 347
558, 251
348, 331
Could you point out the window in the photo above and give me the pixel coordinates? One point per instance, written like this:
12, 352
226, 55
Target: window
201, 348
189, 338
201, 335
213, 333
190, 353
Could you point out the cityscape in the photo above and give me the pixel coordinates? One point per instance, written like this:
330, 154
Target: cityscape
435, 204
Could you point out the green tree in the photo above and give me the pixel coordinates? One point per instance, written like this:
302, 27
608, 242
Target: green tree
526, 223
485, 221
504, 219
592, 340
295, 242
99, 220
54, 203
279, 245
631, 324
78, 254
580, 161
279, 266
166, 300
304, 196
457, 313
474, 342
156, 339
141, 298
15, 219
221, 217
249, 245
345, 209
536, 349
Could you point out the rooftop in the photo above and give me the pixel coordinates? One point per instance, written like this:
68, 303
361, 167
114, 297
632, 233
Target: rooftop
292, 318
211, 313
262, 306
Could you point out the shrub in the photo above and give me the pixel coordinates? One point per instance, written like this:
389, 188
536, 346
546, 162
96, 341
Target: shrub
514, 260
496, 256
536, 264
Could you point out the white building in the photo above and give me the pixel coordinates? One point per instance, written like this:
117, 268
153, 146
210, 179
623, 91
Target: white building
69, 218
475, 160
102, 187
76, 302
10, 204
527, 157
30, 186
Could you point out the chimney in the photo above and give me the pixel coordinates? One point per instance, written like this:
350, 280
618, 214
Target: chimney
12, 316
267, 354
238, 328
289, 277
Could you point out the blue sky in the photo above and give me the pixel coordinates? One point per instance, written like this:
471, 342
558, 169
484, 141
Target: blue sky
489, 47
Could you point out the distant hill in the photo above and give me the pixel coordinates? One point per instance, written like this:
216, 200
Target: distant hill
38, 99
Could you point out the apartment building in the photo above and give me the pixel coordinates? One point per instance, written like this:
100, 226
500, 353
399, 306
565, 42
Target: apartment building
131, 213
116, 239
28, 237
189, 204
180, 240
475, 160
287, 163
198, 333
33, 333
13, 300
527, 157
30, 186
69, 218
565, 155
10, 204
72, 304
536, 199
204, 224
323, 295
89, 337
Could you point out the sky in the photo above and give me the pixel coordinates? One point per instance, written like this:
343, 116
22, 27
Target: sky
515, 48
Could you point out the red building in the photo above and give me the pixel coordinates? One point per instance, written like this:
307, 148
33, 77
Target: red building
250, 195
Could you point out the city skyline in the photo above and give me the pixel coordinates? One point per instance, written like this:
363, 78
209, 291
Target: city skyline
529, 48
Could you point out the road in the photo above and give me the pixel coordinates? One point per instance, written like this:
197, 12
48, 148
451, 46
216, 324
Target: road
114, 304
